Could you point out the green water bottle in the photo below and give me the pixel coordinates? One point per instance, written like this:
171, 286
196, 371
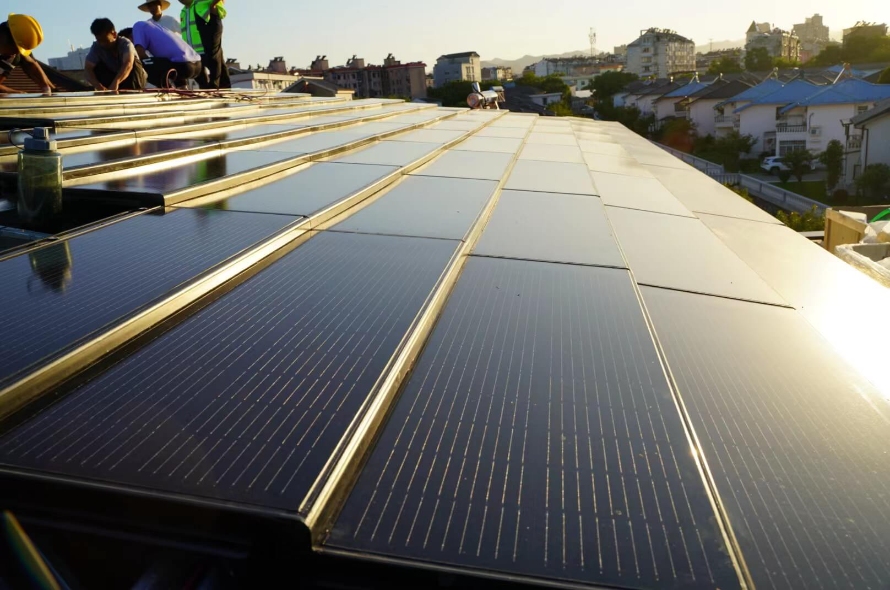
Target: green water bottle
40, 179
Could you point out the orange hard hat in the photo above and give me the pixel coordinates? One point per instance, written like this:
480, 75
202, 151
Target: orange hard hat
26, 32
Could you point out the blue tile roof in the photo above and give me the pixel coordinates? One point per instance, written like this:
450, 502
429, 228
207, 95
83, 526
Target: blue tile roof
755, 92
847, 91
793, 91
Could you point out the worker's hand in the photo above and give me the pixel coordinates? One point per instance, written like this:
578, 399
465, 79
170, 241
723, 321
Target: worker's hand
101, 88
115, 86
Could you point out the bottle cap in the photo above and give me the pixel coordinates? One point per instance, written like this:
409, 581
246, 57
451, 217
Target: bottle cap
40, 140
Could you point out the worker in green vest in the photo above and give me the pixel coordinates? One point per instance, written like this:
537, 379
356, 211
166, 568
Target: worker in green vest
202, 28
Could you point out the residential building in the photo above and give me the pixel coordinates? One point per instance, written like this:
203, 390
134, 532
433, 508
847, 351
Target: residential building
74, 61
701, 105
780, 44
726, 119
759, 118
497, 73
874, 148
659, 53
457, 66
672, 105
262, 80
703, 61
813, 35
393, 78
644, 99
865, 29
572, 67
620, 50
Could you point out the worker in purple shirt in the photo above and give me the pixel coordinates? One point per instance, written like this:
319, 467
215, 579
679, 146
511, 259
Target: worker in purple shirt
168, 60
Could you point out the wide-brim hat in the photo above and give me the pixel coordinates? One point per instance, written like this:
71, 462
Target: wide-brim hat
164, 5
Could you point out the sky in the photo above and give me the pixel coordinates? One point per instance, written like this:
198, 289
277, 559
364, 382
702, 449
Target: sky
420, 30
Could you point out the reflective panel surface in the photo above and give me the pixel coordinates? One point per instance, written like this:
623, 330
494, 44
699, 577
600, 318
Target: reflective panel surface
458, 164
634, 192
440, 136
304, 193
504, 145
552, 153
614, 165
681, 253
246, 400
390, 153
424, 206
796, 440
551, 227
551, 177
69, 291
538, 436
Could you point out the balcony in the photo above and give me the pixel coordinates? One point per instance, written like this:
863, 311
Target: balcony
787, 128
854, 143
726, 121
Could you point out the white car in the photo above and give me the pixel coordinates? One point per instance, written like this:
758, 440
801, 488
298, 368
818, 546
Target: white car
774, 165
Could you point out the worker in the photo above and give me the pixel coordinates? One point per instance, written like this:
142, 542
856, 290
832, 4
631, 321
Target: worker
202, 28
156, 9
19, 36
112, 63
168, 53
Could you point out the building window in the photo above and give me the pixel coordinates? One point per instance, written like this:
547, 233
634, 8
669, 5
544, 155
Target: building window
786, 147
861, 109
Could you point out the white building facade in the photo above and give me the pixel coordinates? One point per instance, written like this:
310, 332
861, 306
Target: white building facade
457, 67
660, 53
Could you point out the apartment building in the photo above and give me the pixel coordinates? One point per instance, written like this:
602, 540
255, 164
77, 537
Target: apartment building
813, 35
869, 145
865, 29
457, 66
660, 53
779, 43
393, 78
672, 104
701, 105
497, 73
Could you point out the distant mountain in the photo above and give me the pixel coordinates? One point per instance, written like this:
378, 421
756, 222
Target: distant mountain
520, 64
720, 45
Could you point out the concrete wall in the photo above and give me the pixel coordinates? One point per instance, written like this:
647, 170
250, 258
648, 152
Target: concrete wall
877, 148
665, 107
757, 120
702, 114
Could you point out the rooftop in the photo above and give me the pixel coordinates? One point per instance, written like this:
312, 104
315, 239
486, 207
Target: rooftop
385, 342
459, 55
881, 109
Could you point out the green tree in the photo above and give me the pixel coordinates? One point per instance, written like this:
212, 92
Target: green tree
725, 65
607, 85
454, 94
799, 161
874, 182
785, 64
727, 151
857, 49
678, 134
833, 160
560, 109
758, 60
831, 55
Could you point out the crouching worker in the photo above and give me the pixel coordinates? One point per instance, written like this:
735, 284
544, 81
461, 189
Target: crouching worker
19, 36
112, 63
168, 60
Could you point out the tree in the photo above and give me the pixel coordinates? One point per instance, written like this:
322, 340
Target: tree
678, 134
607, 85
833, 160
727, 150
811, 220
857, 49
785, 64
758, 60
829, 56
874, 182
799, 161
725, 65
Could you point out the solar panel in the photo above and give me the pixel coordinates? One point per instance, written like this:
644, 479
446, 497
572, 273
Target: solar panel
424, 206
440, 136
550, 227
631, 192
504, 145
538, 436
551, 177
69, 291
246, 400
796, 441
321, 185
178, 177
681, 253
536, 137
701, 194
552, 153
615, 165
390, 153
492, 131
477, 165
142, 148
602, 148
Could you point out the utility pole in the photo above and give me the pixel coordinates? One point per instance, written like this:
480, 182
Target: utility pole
592, 42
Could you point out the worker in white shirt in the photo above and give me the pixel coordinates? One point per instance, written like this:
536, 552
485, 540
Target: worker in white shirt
156, 9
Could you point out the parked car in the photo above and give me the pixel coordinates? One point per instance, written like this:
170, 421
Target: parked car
774, 165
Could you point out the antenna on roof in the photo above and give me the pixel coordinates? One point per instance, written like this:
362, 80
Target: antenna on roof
592, 38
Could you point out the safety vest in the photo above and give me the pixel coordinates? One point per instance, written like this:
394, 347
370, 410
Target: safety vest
188, 22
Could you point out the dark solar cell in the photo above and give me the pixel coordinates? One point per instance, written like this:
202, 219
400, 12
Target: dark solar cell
247, 400
425, 206
538, 436
551, 227
145, 147
68, 291
797, 442
308, 191
181, 176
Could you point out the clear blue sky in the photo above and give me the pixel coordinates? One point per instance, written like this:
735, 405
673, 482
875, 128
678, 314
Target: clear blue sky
258, 30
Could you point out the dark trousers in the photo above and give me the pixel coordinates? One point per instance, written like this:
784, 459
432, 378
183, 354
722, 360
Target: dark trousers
135, 81
211, 33
163, 72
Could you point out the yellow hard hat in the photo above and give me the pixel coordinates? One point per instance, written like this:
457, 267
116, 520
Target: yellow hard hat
26, 32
